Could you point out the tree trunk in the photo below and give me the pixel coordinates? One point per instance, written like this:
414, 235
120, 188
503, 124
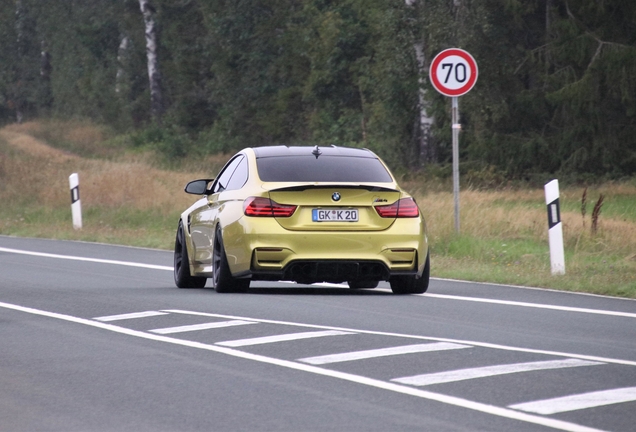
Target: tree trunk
425, 121
46, 95
122, 63
154, 76
19, 74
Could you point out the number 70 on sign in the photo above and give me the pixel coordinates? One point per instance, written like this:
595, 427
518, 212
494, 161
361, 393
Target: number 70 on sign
453, 72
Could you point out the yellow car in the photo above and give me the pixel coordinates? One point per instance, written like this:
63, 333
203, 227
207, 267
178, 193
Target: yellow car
302, 214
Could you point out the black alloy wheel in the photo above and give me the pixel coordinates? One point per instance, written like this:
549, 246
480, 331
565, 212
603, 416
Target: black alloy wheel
182, 276
222, 276
412, 284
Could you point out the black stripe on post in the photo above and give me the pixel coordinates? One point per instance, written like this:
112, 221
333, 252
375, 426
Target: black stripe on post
554, 213
75, 195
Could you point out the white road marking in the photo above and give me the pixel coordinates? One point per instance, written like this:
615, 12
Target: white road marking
95, 260
579, 401
450, 400
425, 338
382, 352
331, 285
441, 296
281, 338
204, 326
533, 305
488, 371
130, 316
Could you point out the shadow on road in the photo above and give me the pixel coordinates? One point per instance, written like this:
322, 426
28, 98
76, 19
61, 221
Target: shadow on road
315, 290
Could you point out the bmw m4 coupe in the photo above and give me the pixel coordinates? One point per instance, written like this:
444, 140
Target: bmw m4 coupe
302, 214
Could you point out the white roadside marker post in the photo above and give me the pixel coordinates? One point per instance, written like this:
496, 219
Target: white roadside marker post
555, 228
76, 205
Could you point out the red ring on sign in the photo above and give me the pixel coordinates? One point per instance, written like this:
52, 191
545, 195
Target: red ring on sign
438, 84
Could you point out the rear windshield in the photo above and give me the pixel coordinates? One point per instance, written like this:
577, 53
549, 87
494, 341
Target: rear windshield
324, 169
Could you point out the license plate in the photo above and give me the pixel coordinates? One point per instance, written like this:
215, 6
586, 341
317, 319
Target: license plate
334, 215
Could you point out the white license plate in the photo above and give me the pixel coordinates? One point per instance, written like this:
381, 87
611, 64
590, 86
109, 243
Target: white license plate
334, 215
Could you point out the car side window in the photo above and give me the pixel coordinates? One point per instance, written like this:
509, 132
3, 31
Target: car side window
223, 179
239, 177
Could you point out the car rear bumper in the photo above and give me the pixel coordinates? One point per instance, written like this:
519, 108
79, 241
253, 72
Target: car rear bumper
267, 251
335, 271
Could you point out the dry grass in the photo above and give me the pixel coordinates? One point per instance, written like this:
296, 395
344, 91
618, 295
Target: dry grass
76, 136
483, 214
504, 239
117, 196
521, 214
41, 173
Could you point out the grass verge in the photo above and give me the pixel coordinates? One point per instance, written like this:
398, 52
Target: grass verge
128, 199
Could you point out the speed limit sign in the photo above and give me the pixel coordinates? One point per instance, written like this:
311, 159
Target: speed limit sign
453, 72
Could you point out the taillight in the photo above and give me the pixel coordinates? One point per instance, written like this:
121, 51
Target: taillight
404, 208
265, 207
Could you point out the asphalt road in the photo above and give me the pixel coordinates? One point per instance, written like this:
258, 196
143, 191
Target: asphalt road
97, 338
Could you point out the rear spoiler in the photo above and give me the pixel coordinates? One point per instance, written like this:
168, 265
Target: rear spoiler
300, 188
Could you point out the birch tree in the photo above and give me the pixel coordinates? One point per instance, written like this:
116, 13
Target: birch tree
154, 76
122, 63
425, 120
46, 98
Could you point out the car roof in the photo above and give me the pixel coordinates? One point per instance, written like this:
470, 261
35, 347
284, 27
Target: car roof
283, 151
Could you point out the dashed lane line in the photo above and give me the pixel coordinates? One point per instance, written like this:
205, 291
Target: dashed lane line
382, 352
204, 326
489, 371
134, 315
281, 338
397, 388
423, 338
578, 401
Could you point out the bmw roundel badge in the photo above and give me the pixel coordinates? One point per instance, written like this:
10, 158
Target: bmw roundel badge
335, 196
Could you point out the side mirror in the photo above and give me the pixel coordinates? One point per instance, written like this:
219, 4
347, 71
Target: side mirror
198, 187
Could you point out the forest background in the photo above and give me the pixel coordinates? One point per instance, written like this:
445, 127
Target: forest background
556, 92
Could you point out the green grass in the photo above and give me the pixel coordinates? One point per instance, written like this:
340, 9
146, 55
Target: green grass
125, 226
527, 262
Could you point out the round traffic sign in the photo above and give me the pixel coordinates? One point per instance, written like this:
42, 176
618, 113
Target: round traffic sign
453, 72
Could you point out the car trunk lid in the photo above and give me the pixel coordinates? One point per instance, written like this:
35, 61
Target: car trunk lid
335, 207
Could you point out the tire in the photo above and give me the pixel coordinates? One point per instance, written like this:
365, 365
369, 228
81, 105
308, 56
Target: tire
222, 277
359, 284
182, 276
412, 284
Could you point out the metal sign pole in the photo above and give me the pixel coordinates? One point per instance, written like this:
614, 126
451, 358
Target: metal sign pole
456, 127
